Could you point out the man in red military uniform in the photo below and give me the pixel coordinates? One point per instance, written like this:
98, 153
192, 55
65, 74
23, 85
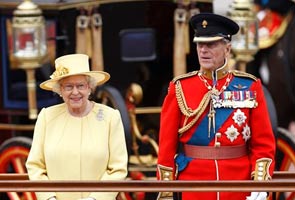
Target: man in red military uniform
214, 122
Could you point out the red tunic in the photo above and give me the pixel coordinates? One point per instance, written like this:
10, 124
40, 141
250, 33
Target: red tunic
250, 126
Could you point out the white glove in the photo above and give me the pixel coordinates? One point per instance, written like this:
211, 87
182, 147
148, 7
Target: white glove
257, 196
87, 198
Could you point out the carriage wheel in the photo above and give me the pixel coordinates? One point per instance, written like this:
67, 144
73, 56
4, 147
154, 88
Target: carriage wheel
285, 157
110, 96
13, 155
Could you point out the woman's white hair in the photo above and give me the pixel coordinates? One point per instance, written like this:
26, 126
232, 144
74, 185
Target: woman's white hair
90, 80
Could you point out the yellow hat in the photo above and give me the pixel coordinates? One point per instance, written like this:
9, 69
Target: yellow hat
70, 65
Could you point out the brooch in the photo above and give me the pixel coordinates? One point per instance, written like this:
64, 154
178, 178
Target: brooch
100, 115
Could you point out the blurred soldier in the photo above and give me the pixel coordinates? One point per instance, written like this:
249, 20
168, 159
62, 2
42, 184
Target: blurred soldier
275, 61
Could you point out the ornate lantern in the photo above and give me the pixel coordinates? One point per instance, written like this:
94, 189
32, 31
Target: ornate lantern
245, 43
29, 45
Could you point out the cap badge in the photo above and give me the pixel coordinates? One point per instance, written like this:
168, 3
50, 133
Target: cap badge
204, 23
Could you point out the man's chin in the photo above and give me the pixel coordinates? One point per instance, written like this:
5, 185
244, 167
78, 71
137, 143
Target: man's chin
207, 67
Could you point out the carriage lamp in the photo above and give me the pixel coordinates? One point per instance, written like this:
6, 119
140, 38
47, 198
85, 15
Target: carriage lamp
245, 42
29, 46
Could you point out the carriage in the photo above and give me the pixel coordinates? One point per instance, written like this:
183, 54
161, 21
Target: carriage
139, 43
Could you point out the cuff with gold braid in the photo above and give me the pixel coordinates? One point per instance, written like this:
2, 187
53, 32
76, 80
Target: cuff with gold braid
165, 174
261, 172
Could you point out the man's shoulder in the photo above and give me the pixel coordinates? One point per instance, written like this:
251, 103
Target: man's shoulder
185, 76
244, 75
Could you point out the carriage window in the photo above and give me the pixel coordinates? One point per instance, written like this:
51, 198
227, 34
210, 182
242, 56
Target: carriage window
138, 44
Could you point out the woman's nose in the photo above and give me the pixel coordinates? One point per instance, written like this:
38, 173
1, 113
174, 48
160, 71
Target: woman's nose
75, 90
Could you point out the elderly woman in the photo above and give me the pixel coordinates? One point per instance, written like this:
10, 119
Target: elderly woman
78, 139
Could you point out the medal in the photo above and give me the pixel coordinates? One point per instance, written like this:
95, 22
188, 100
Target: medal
215, 99
246, 133
239, 117
236, 99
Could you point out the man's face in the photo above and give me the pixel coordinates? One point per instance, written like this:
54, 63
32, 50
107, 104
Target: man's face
212, 54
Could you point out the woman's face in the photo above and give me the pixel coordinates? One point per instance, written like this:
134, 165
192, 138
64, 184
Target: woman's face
75, 91
212, 54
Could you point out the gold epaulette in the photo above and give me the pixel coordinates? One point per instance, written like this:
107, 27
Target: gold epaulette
182, 76
244, 74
